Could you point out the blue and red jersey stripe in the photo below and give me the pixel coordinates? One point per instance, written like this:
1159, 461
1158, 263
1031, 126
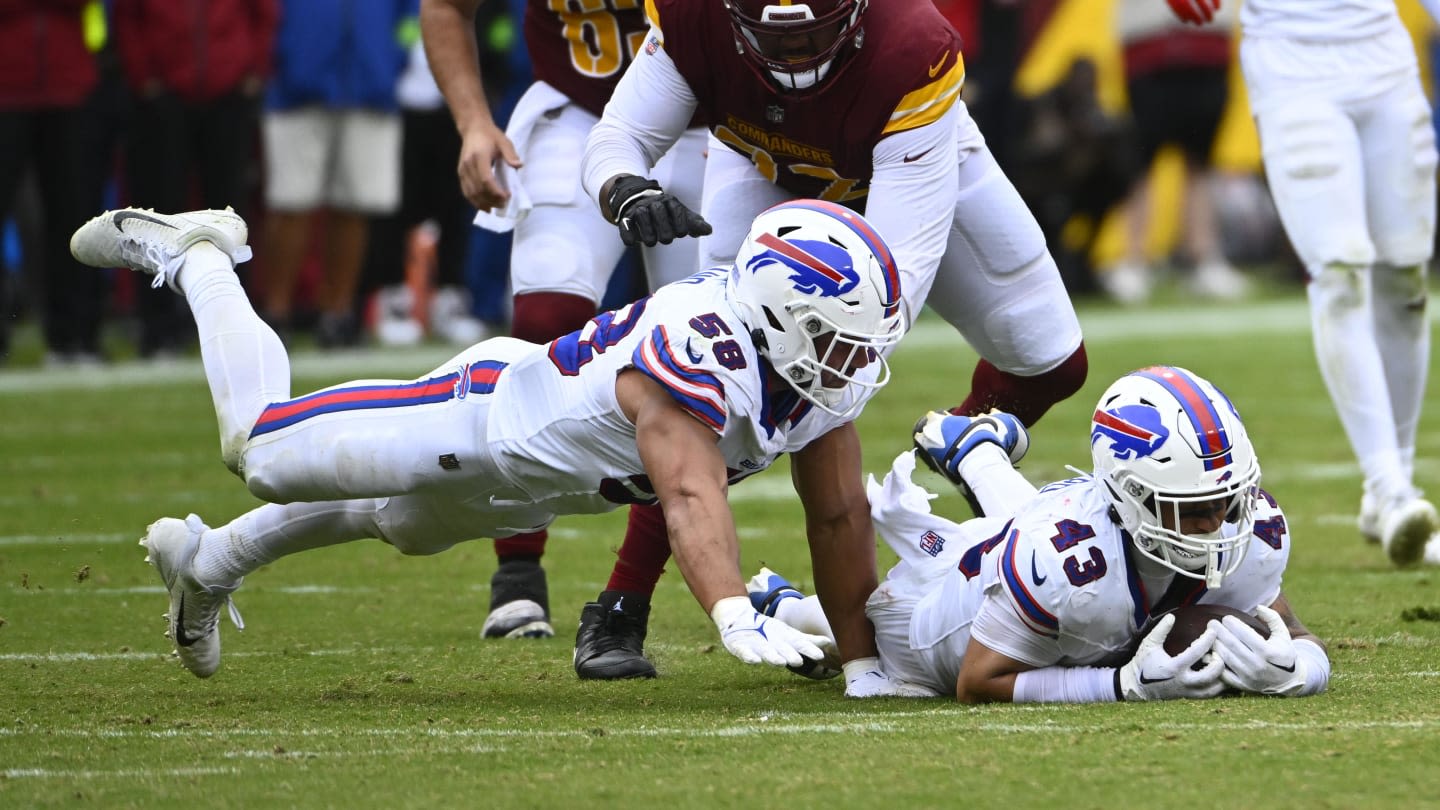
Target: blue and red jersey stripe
694, 389
477, 378
1035, 616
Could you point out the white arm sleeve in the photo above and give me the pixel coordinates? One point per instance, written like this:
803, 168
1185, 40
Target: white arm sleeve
913, 192
1432, 7
1066, 685
649, 111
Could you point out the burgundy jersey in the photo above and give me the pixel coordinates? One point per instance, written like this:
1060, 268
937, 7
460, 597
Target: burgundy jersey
580, 47
817, 143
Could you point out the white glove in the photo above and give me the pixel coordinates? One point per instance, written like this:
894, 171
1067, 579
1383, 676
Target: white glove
1154, 674
755, 638
865, 679
1265, 666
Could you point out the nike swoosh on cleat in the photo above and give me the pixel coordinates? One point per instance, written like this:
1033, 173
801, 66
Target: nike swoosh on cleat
180, 638
1145, 680
1035, 572
121, 216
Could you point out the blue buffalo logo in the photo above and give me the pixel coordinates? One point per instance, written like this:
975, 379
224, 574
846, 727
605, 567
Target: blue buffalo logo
815, 267
1134, 431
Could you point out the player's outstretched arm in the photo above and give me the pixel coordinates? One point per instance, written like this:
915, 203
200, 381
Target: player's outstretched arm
829, 481
684, 463
1291, 661
1152, 674
448, 29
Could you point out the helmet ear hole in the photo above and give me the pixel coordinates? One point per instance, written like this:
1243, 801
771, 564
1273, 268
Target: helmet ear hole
774, 321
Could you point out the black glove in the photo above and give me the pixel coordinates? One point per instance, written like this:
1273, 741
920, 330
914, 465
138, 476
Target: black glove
647, 215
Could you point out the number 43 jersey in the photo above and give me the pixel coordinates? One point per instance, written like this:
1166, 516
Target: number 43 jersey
1057, 584
556, 428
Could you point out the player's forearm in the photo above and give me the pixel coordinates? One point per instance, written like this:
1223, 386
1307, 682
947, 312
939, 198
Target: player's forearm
704, 545
448, 29
843, 560
1065, 685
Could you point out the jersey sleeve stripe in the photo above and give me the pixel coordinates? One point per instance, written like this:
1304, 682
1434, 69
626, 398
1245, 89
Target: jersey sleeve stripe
1036, 617
697, 391
927, 104
479, 378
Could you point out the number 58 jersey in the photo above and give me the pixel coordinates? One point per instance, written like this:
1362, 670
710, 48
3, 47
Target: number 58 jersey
556, 429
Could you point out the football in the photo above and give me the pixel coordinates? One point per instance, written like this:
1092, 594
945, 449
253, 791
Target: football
1190, 622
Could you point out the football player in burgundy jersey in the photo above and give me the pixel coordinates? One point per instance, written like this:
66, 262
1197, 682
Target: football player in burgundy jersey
856, 102
563, 251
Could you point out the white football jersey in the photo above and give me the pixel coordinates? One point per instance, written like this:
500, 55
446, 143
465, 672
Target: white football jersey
556, 429
1056, 585
1318, 19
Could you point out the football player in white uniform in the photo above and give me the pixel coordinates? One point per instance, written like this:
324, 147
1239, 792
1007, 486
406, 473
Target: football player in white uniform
564, 252
668, 399
1349, 150
1045, 598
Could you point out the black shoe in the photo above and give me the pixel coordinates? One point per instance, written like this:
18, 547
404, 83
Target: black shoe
519, 602
610, 642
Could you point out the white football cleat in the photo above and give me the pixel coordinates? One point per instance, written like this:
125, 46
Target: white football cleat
1408, 526
194, 617
155, 244
1369, 521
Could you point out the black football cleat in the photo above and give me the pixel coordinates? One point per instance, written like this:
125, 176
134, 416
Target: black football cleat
610, 642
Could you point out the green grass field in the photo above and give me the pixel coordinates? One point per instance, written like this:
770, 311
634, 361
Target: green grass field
361, 680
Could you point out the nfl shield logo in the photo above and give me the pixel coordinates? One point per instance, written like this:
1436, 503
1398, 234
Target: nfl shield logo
775, 114
932, 543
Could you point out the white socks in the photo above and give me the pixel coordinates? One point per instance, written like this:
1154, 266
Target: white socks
245, 362
1351, 362
996, 484
265, 534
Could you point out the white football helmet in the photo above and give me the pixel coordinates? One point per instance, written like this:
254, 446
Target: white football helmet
820, 293
1163, 439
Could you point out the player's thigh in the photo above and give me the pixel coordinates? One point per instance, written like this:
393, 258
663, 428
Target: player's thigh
563, 244
734, 193
430, 522
1313, 164
377, 438
681, 172
997, 283
367, 165
297, 157
1397, 138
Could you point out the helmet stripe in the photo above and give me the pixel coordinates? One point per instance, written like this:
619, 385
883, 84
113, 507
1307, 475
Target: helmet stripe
1209, 429
796, 253
869, 235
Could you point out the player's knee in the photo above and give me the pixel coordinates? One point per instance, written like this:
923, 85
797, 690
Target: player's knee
1407, 285
540, 317
1337, 288
412, 546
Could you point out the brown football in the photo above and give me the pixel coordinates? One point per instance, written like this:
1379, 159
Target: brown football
1190, 622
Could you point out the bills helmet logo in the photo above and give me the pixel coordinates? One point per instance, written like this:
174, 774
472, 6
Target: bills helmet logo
815, 267
1134, 431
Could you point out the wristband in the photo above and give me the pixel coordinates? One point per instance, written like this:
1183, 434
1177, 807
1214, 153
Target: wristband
856, 667
727, 611
1317, 667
